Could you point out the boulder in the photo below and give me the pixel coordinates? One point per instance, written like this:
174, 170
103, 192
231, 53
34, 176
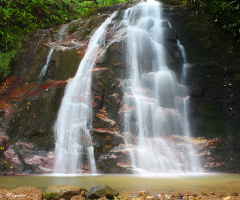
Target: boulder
23, 193
63, 191
116, 160
101, 191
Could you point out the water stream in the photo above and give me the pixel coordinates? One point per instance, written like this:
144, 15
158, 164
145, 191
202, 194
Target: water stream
158, 102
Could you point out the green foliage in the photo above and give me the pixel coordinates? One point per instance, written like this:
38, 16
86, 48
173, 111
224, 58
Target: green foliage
226, 12
88, 8
23, 16
5, 59
51, 196
109, 2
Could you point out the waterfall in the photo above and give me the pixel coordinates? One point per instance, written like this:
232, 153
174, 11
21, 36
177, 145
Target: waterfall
155, 103
158, 103
74, 152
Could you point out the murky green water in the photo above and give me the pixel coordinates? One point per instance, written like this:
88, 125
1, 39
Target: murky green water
131, 184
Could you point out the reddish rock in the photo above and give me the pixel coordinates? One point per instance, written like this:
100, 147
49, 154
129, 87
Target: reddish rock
3, 142
12, 157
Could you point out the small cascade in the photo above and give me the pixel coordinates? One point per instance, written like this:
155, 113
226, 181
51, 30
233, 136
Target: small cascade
185, 92
74, 151
157, 104
45, 67
62, 32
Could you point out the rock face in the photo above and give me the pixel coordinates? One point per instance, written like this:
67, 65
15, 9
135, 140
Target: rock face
28, 107
102, 191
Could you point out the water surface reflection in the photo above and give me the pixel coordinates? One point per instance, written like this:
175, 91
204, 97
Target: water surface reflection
132, 184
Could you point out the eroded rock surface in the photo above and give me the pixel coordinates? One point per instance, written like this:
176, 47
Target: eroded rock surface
102, 191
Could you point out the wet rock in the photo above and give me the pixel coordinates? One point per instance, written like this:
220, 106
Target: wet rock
101, 191
116, 160
12, 156
113, 58
78, 197
104, 139
3, 142
107, 92
64, 191
196, 91
200, 70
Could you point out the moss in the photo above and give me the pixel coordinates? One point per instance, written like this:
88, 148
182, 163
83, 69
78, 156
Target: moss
210, 110
210, 127
57, 69
51, 196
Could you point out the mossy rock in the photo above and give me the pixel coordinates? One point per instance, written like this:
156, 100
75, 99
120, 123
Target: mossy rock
51, 196
63, 191
210, 110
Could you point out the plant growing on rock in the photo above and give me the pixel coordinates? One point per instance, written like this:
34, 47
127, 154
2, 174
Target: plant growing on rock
51, 196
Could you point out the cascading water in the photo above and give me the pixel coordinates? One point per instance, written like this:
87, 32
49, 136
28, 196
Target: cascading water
74, 151
157, 107
154, 105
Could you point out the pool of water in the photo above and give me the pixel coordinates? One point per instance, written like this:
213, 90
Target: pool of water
130, 185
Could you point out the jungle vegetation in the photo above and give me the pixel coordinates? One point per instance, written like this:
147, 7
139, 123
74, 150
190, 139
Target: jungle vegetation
20, 17
226, 12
